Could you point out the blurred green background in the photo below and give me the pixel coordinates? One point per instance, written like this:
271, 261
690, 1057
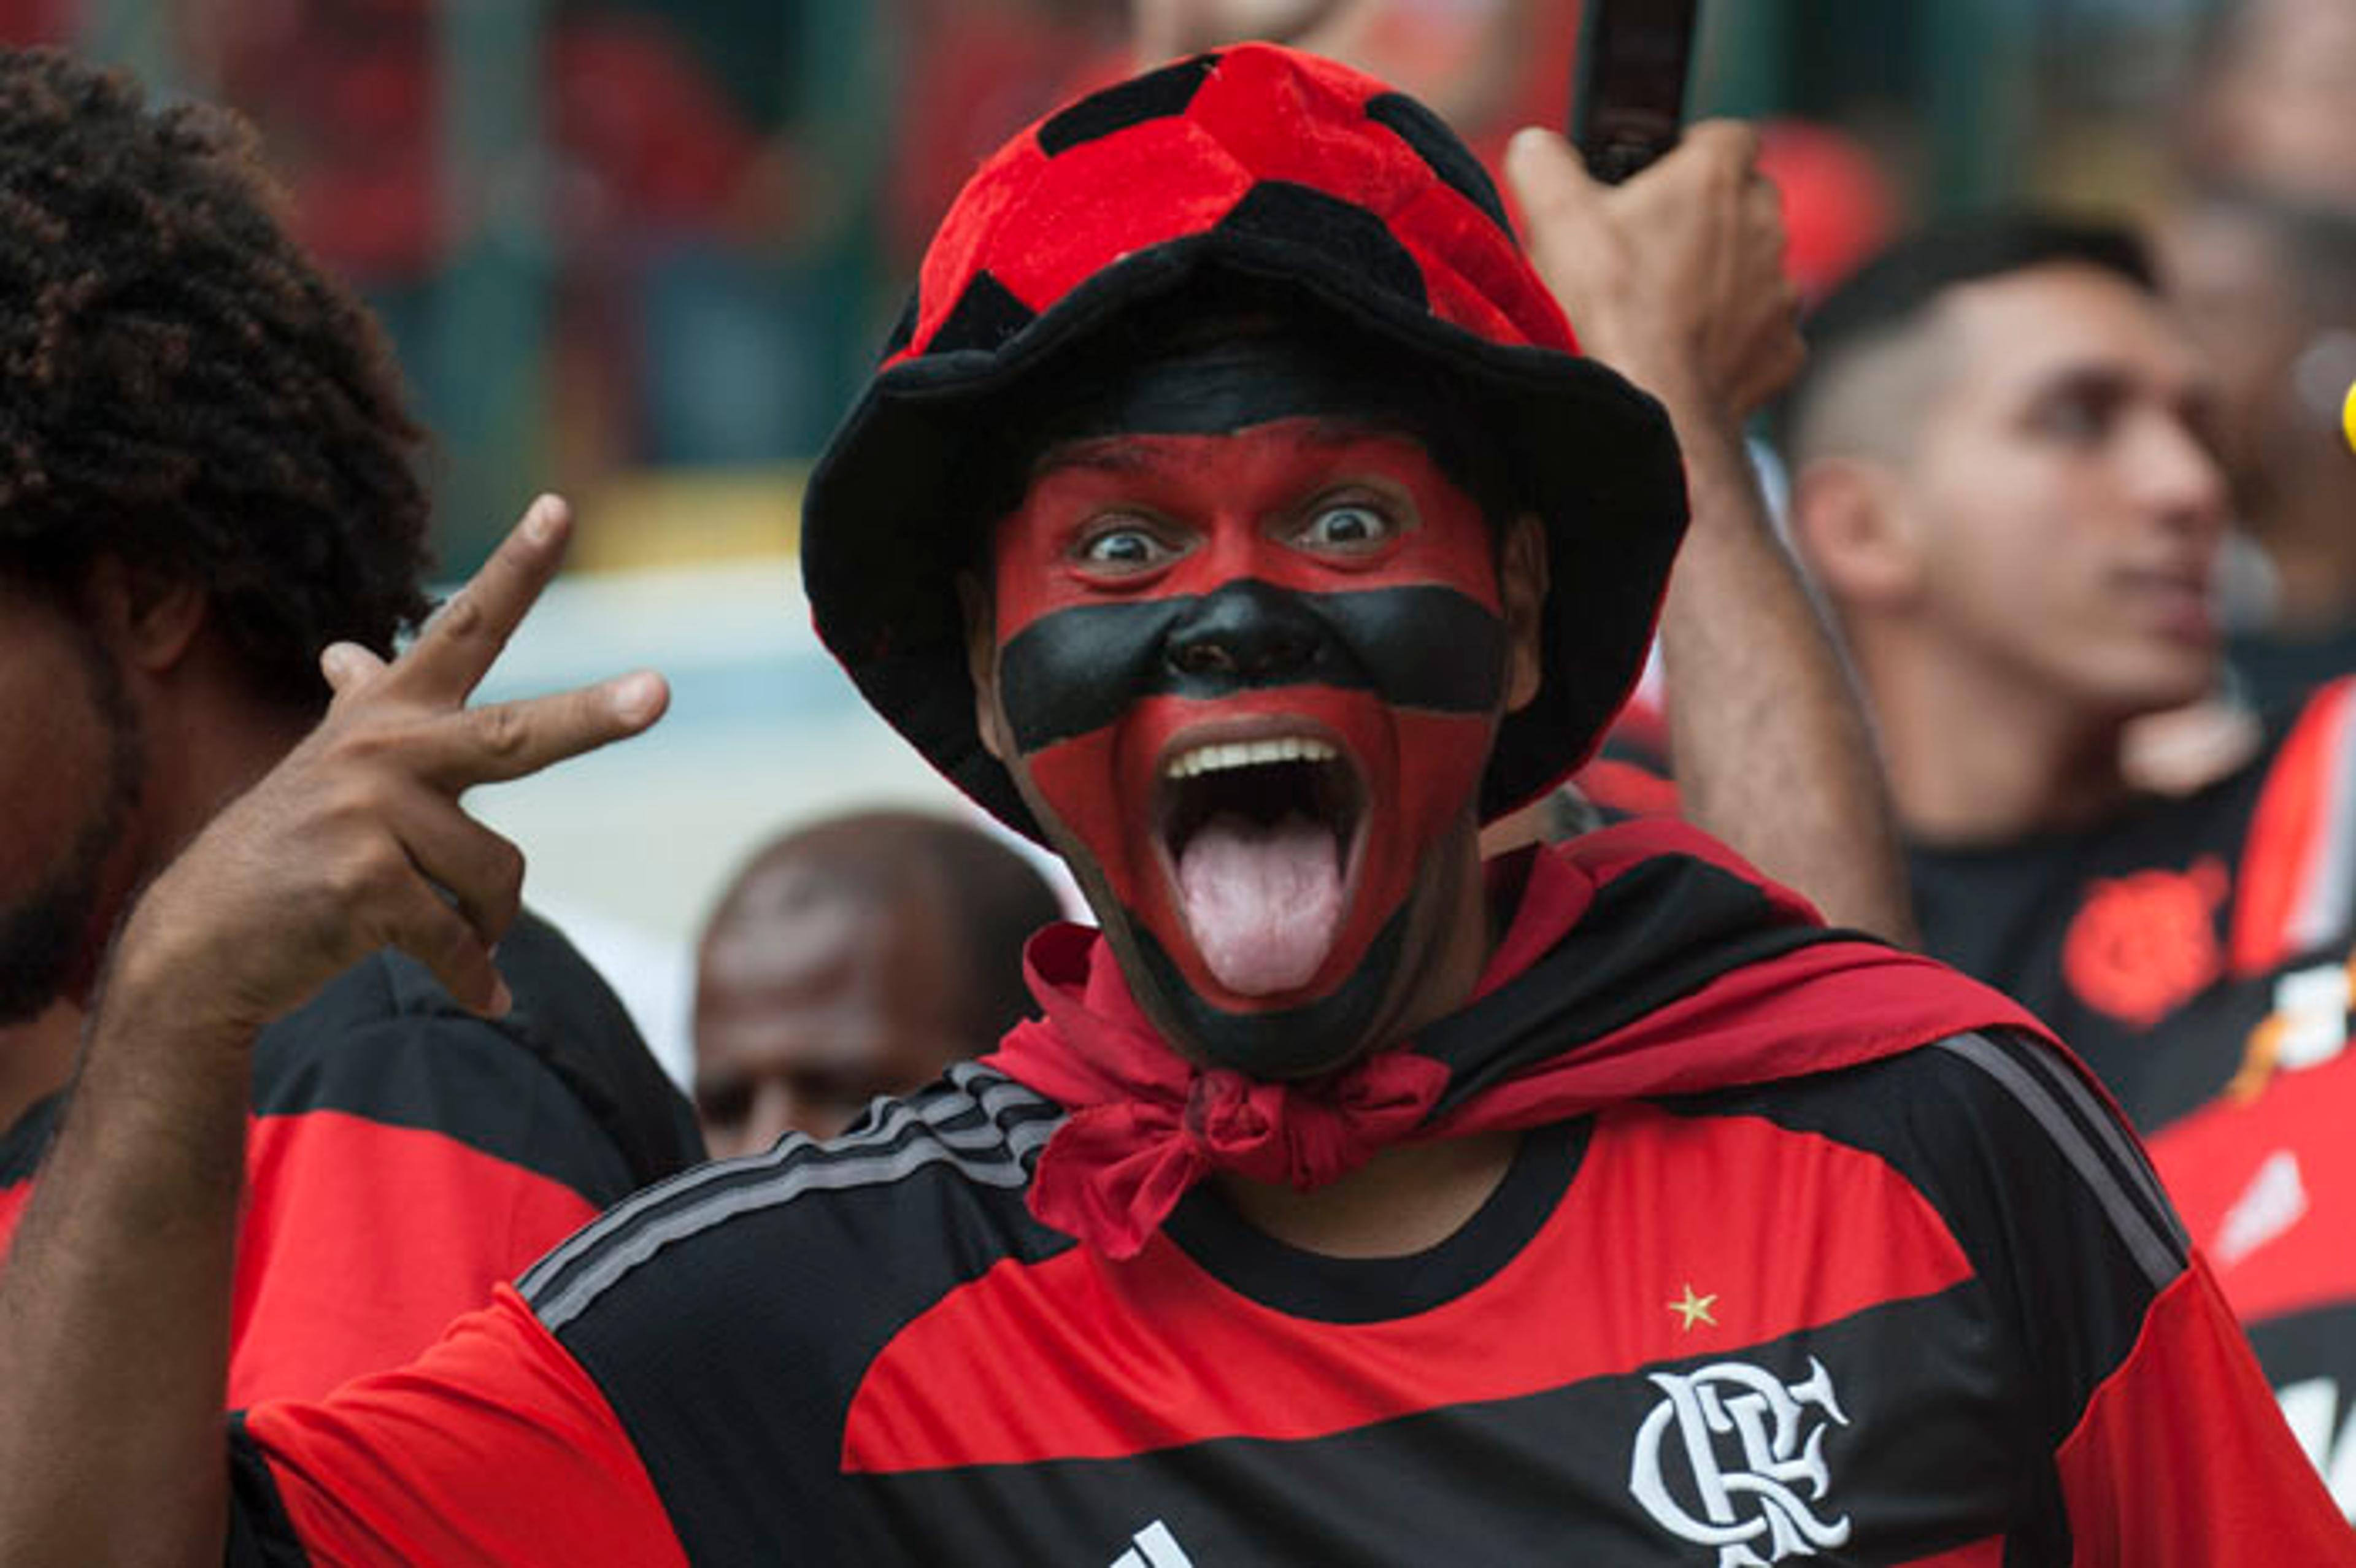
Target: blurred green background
641, 252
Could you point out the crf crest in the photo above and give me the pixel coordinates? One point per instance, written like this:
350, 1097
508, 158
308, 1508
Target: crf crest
1733, 1457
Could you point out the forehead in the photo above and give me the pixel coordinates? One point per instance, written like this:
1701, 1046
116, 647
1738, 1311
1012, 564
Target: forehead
2011, 339
804, 928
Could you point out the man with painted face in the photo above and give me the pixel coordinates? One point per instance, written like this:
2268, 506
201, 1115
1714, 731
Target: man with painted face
1243, 642
1237, 513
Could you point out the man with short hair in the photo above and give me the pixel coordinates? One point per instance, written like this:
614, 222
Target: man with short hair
854, 958
2003, 482
205, 475
1236, 514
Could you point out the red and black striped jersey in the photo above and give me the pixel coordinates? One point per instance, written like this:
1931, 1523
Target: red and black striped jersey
404, 1156
1928, 1310
2198, 954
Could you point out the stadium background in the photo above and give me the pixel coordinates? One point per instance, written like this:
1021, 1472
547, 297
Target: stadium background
640, 254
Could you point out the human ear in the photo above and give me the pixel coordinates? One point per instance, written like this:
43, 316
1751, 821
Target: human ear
1521, 592
1854, 534
981, 663
150, 618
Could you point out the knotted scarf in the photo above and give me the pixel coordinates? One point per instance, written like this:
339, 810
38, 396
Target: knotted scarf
1642, 960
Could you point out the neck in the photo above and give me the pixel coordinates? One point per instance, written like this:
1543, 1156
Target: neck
1980, 755
1409, 1196
36, 1058
208, 739
1407, 1199
204, 739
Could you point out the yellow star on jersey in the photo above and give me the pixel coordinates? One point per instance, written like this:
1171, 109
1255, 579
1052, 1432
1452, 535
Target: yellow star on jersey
1694, 1308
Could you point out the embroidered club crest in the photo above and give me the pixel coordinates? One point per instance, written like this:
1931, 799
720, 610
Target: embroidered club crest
1733, 1457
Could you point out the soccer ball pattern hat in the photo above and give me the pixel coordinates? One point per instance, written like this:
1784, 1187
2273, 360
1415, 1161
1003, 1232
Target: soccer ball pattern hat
1254, 167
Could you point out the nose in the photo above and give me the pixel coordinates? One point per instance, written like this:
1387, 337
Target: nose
1247, 632
2180, 477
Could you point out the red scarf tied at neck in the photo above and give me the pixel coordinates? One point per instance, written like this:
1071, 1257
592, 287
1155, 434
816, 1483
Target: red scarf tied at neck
1644, 959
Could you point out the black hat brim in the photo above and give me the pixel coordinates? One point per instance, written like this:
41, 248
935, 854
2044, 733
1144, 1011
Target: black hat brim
889, 516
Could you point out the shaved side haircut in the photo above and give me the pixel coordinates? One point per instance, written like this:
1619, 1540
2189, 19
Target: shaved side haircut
1875, 348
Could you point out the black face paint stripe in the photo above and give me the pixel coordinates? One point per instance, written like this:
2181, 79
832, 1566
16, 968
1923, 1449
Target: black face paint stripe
1074, 671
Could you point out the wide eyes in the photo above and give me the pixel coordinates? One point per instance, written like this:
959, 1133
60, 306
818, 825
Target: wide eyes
1122, 544
1348, 527
1119, 547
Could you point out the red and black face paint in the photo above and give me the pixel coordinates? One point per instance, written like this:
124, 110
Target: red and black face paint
1251, 676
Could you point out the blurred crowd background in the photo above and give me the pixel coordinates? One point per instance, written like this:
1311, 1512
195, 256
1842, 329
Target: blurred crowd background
639, 251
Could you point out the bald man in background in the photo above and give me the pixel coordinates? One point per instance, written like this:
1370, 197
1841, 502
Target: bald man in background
857, 957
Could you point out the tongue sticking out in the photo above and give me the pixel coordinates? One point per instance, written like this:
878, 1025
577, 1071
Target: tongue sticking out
1263, 902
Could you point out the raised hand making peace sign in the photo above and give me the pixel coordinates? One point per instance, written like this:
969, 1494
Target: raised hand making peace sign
356, 839
354, 842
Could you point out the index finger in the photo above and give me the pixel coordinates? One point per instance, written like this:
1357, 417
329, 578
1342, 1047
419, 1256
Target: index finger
459, 645
512, 740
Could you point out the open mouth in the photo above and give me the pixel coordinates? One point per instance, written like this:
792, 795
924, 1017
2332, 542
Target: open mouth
1261, 839
2178, 602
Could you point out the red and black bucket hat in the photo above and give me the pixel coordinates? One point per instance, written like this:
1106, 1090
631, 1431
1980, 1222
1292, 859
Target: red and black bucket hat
1263, 167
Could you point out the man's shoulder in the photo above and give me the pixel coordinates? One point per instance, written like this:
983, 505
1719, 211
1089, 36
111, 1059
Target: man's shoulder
929, 1184
384, 1039
547, 975
2005, 1134
756, 1292
2030, 1171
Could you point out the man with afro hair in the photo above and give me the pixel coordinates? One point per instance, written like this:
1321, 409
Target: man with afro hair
205, 477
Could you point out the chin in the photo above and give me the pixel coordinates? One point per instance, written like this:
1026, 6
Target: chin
1404, 974
1299, 1039
2167, 691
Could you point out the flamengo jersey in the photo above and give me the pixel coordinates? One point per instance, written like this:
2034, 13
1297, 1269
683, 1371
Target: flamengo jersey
2197, 953
404, 1156
1928, 1310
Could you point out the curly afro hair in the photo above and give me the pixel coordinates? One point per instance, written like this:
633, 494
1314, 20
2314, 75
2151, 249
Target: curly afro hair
184, 389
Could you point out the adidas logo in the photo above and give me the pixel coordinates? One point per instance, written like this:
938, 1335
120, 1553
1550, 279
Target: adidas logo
1154, 1547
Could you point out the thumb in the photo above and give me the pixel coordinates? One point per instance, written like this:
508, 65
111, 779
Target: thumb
1571, 237
1550, 180
348, 664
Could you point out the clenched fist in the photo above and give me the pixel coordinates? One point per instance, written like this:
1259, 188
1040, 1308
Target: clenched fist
1675, 279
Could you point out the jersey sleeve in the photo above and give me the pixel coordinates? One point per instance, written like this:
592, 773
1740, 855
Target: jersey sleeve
495, 1446
2182, 1456
2167, 1448
2138, 1429
396, 1172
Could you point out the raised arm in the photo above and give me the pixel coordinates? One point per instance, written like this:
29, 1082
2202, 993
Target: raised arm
1676, 280
114, 1301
